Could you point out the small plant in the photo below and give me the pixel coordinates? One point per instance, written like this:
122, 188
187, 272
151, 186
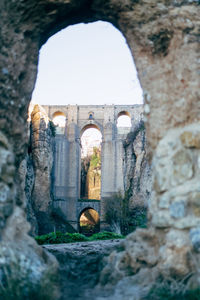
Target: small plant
52, 127
121, 218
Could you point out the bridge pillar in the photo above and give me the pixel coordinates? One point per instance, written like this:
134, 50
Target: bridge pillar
111, 170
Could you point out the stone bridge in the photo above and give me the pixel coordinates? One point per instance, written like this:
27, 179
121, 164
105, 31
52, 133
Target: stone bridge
67, 160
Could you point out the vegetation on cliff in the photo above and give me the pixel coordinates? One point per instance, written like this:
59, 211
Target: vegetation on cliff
95, 161
121, 217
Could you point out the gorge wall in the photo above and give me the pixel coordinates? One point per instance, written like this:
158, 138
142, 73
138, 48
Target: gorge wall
137, 175
38, 183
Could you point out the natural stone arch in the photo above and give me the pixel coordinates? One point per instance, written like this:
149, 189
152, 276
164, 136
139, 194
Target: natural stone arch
160, 34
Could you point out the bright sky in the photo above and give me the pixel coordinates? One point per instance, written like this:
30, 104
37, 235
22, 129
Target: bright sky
90, 138
87, 64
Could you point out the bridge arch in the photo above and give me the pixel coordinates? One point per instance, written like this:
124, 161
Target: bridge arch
59, 120
124, 119
90, 162
91, 125
124, 113
89, 220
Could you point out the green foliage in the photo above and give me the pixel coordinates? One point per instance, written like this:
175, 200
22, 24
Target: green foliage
105, 235
95, 161
121, 217
59, 237
52, 127
138, 218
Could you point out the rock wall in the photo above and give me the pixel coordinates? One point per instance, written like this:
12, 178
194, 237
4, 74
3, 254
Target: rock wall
41, 147
137, 171
36, 172
137, 175
38, 179
163, 38
26, 269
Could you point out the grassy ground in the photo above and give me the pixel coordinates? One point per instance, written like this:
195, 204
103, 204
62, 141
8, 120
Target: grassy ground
59, 237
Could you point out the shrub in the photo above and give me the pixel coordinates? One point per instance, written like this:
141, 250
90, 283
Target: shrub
52, 127
105, 235
95, 161
59, 237
121, 218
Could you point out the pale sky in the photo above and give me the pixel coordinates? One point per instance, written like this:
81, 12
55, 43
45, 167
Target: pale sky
87, 64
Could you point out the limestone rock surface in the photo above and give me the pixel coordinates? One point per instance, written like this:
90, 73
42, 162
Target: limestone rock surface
42, 157
80, 265
137, 171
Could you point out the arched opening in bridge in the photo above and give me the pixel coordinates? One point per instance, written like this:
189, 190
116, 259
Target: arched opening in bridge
89, 221
59, 120
124, 122
124, 119
90, 163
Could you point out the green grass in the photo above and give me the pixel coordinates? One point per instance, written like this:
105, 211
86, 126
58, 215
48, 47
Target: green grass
59, 237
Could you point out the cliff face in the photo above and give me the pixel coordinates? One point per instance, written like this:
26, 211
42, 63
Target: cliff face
137, 173
91, 175
36, 170
41, 145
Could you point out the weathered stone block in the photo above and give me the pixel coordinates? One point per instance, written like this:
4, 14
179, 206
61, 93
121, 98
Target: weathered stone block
182, 167
162, 219
174, 254
177, 210
190, 139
